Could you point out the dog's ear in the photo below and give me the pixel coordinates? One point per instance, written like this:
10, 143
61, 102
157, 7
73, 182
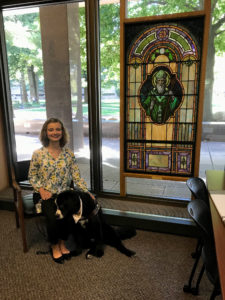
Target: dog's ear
72, 201
85, 195
75, 195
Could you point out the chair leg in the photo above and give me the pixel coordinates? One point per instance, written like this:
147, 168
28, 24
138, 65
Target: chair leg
187, 288
17, 218
214, 294
23, 232
197, 249
16, 208
22, 224
216, 290
194, 290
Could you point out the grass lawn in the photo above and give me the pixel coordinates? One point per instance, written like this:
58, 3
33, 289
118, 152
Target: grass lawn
108, 109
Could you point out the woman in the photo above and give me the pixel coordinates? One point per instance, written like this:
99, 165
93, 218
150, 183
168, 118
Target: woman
52, 169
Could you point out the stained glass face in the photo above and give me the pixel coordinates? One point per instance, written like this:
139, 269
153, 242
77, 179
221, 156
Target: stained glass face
162, 86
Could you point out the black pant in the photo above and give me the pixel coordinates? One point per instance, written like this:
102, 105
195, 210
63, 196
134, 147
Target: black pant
57, 229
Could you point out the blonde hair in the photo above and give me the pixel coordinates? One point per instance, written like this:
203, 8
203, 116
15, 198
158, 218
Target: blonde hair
43, 135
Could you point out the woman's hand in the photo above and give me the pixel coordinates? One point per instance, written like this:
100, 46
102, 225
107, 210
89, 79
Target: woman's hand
45, 194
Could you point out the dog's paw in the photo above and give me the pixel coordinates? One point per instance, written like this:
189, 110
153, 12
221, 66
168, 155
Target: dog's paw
130, 253
99, 252
94, 253
89, 256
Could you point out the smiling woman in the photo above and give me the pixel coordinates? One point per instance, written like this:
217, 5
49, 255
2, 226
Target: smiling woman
52, 169
52, 132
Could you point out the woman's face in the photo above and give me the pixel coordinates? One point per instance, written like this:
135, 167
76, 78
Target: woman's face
54, 132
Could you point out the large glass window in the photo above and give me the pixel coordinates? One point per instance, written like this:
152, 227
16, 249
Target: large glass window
48, 77
110, 100
46, 50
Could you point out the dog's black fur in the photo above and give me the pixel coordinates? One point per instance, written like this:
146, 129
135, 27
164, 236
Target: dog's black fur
92, 232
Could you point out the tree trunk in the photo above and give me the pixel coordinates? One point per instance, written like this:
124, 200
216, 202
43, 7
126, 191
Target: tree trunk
24, 98
37, 86
201, 4
32, 83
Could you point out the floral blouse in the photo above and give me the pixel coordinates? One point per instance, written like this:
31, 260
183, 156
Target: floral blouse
54, 174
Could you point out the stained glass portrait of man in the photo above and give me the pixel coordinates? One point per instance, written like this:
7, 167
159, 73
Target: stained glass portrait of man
160, 95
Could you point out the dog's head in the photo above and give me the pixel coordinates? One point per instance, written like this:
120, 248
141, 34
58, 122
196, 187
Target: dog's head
68, 204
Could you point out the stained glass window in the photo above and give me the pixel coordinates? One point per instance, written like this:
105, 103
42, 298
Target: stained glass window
162, 66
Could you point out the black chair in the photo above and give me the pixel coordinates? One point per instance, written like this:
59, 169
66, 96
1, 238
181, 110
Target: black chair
198, 190
23, 201
200, 213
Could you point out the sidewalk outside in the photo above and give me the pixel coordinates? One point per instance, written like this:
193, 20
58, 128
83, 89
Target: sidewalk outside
212, 157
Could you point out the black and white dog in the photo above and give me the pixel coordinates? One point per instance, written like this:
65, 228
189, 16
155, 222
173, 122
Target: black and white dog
90, 230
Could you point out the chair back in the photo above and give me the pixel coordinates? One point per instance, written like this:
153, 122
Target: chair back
198, 189
200, 213
21, 169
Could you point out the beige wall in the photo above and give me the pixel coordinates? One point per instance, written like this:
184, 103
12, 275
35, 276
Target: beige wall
4, 180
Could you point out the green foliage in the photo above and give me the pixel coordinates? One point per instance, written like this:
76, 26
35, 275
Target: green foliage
110, 45
109, 28
83, 41
108, 109
19, 58
39, 107
145, 8
218, 25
